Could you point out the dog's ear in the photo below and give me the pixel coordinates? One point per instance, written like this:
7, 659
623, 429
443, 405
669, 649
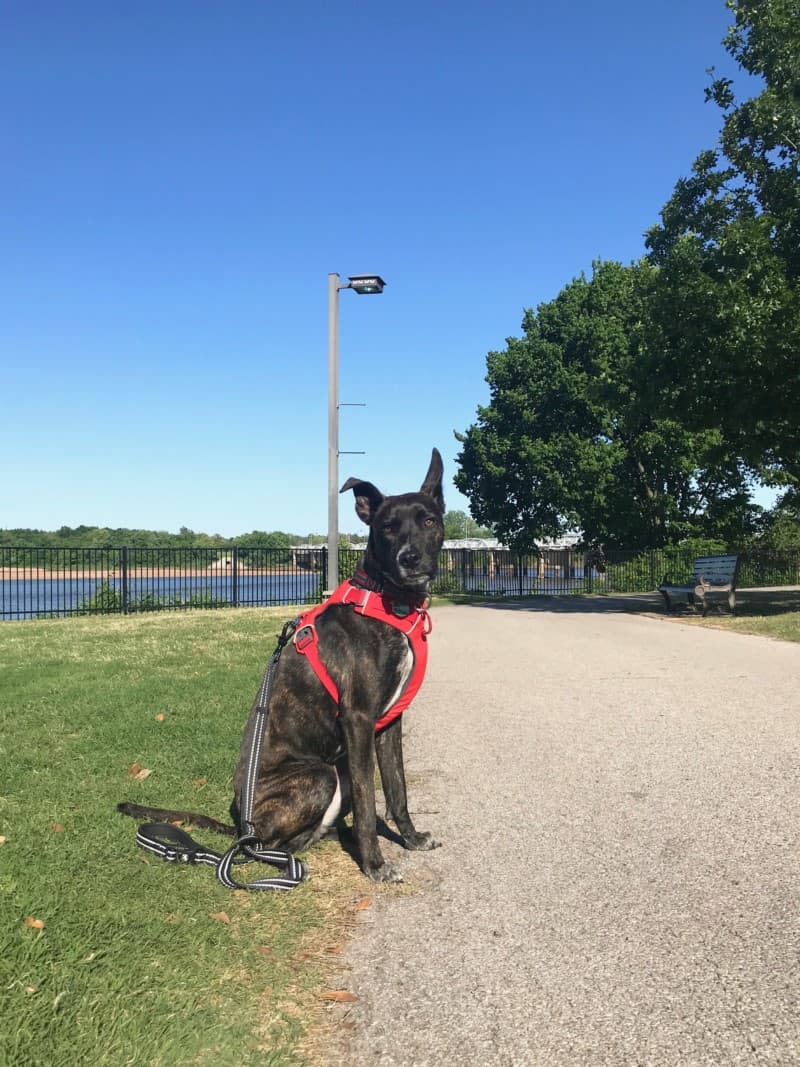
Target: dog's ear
432, 486
368, 498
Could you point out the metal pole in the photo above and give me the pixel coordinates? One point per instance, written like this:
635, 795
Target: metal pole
333, 434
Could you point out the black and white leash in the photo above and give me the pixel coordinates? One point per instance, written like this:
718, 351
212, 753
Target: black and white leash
176, 846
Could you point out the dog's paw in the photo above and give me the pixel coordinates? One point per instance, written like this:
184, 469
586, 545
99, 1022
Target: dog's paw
387, 872
421, 842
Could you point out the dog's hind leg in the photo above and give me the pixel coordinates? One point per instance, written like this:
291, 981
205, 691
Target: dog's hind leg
296, 805
389, 750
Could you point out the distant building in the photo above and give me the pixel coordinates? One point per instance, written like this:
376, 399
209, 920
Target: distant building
567, 541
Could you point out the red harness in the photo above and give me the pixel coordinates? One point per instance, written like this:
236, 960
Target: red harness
414, 622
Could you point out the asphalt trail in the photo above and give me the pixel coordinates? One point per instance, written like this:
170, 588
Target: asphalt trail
617, 798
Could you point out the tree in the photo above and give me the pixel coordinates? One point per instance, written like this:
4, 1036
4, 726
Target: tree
727, 298
569, 439
273, 540
457, 524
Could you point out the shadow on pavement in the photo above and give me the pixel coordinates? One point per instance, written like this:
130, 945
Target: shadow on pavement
749, 602
634, 602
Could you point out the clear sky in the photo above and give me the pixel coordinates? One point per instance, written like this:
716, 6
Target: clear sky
177, 180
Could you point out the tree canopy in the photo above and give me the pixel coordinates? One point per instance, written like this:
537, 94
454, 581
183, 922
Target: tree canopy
728, 250
641, 404
571, 437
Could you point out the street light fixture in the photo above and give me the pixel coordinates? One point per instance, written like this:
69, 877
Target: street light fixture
364, 285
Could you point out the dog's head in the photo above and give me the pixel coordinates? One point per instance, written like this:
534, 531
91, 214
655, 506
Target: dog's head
406, 531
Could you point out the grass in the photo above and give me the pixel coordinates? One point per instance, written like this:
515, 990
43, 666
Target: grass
768, 612
110, 956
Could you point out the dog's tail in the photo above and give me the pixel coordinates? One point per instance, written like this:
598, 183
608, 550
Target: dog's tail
205, 822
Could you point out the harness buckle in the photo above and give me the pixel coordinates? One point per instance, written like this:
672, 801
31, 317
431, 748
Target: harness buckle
356, 595
304, 637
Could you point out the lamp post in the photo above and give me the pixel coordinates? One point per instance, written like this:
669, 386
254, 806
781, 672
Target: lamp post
364, 285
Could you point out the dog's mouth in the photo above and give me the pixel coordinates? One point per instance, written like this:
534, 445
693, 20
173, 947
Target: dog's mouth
418, 581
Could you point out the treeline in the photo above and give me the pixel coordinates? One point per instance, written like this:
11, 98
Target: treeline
103, 537
457, 524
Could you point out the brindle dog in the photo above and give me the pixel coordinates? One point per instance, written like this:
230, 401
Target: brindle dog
313, 761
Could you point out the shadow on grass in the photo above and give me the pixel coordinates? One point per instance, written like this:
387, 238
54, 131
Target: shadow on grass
750, 602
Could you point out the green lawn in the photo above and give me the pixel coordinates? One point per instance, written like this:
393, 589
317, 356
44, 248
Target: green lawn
110, 956
769, 612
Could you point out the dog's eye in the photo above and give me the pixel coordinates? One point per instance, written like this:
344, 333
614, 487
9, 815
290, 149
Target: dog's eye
429, 522
387, 528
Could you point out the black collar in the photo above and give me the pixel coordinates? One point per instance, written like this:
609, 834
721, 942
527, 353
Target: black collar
362, 580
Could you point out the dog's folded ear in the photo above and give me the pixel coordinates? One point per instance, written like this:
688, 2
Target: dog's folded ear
368, 498
432, 486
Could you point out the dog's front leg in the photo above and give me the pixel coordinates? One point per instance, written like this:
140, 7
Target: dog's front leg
389, 748
359, 737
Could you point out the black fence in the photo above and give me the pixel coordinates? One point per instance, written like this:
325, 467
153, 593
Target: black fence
49, 582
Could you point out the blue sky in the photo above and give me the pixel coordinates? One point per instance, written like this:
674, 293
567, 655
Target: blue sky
177, 180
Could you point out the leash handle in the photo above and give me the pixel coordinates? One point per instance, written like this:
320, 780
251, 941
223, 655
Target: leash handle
293, 871
174, 845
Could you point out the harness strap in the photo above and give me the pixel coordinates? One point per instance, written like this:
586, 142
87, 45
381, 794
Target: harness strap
176, 846
369, 600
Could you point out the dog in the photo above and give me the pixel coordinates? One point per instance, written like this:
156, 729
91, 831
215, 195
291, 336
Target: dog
317, 759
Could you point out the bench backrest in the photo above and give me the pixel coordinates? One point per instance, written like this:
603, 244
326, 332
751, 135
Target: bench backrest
718, 570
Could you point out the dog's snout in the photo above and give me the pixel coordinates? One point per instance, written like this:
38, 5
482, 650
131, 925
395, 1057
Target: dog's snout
409, 556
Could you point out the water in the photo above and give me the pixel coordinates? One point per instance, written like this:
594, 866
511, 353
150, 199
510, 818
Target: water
27, 598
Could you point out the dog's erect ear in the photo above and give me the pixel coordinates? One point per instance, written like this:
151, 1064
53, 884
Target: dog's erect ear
432, 486
368, 498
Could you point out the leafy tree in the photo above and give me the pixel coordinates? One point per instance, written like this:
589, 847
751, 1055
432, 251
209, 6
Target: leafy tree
780, 528
276, 539
727, 298
457, 524
569, 439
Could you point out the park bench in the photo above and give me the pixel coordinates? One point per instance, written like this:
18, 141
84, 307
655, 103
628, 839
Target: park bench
713, 579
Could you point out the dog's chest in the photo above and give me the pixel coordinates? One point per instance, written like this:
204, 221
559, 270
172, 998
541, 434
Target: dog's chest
405, 668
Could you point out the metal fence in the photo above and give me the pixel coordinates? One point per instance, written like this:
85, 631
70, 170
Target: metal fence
49, 582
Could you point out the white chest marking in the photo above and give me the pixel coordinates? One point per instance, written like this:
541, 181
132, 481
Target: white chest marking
405, 673
332, 813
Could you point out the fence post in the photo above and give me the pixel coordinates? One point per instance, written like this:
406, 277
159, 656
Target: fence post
124, 561
235, 577
324, 559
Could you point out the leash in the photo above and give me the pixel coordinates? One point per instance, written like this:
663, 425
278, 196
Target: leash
176, 846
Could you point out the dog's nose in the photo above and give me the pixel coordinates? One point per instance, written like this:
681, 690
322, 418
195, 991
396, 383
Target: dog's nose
409, 557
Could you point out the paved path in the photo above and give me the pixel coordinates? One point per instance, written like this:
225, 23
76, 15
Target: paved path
618, 802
